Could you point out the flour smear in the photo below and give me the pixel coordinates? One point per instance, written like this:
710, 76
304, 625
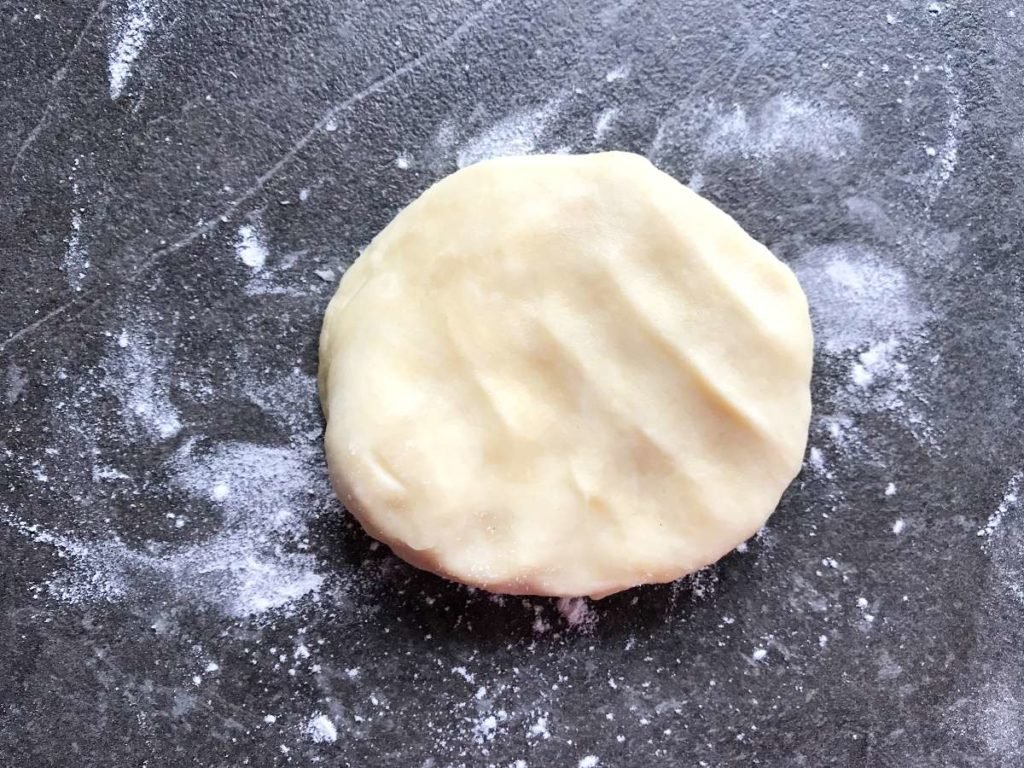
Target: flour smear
779, 130
857, 297
131, 32
517, 134
138, 371
237, 512
870, 317
785, 125
253, 561
1003, 538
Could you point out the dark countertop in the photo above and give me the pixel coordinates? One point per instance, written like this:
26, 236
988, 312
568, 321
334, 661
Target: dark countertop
182, 183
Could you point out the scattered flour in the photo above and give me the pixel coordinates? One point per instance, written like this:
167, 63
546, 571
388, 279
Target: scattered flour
131, 33
244, 568
290, 400
855, 297
620, 72
1010, 502
784, 126
138, 372
604, 122
251, 246
816, 461
540, 729
947, 156
577, 612
517, 134
877, 362
590, 761
321, 729
485, 729
76, 258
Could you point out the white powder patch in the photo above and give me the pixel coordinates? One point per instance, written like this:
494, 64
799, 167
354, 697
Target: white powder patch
898, 527
321, 729
590, 761
248, 565
517, 134
999, 718
620, 72
783, 127
577, 612
289, 399
877, 362
947, 156
131, 33
101, 473
540, 729
138, 372
76, 258
402, 162
759, 654
1009, 502
251, 247
485, 729
17, 378
604, 123
268, 279
816, 461
856, 297
890, 489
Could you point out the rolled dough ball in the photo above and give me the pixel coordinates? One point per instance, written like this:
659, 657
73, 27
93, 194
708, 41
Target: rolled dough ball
564, 375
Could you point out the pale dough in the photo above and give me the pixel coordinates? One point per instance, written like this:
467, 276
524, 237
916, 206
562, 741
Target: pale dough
564, 375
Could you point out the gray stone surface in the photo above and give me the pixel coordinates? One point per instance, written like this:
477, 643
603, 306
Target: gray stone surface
178, 585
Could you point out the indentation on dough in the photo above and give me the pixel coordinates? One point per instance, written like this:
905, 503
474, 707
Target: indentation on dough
472, 376
385, 472
683, 359
608, 403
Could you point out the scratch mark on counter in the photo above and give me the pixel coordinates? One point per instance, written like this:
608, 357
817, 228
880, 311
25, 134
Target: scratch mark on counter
331, 114
56, 79
88, 297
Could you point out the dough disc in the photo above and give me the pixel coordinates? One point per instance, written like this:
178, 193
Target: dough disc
564, 375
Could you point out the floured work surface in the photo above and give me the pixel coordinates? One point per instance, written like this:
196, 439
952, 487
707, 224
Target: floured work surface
183, 188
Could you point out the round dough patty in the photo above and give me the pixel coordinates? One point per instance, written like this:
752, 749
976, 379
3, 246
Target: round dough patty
564, 375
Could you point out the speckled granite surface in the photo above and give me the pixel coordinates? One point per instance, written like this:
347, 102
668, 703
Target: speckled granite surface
183, 182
